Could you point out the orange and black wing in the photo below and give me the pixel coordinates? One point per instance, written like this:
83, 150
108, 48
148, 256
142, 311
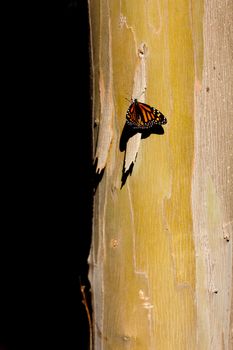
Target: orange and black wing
131, 114
141, 115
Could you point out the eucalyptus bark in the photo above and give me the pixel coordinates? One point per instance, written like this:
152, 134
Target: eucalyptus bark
161, 257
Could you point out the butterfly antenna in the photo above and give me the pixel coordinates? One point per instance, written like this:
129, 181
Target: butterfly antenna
132, 99
128, 99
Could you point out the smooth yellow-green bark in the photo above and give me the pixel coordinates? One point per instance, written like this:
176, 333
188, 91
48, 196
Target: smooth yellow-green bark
143, 264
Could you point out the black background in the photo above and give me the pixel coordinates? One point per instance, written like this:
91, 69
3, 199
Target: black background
47, 205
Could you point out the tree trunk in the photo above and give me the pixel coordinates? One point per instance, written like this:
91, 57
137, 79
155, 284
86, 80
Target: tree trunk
161, 258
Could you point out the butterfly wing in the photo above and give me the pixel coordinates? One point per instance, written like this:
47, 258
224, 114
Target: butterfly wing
141, 115
146, 113
159, 118
132, 116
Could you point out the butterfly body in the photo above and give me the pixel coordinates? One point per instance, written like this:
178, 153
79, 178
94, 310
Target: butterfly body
142, 116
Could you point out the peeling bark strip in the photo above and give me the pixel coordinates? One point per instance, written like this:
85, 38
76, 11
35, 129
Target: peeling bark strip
139, 88
213, 181
105, 131
105, 125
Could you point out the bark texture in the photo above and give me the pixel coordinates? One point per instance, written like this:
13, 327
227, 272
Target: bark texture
161, 258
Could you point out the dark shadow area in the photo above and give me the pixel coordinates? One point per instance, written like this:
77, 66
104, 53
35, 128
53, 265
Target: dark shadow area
155, 129
125, 174
74, 178
126, 134
129, 132
45, 239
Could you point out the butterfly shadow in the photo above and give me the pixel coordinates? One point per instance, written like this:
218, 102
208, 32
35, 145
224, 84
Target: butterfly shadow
128, 132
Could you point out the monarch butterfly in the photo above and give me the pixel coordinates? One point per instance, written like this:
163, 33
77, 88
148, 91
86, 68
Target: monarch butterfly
142, 116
